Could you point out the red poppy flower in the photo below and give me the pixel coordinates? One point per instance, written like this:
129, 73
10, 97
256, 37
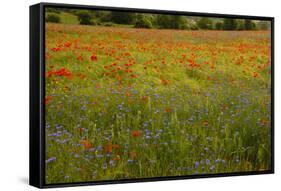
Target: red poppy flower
94, 57
108, 148
63, 72
56, 49
136, 133
98, 85
168, 109
80, 58
67, 44
87, 145
255, 74
164, 82
127, 94
133, 76
205, 123
49, 74
48, 99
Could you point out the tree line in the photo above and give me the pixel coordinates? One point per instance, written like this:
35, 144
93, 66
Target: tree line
161, 21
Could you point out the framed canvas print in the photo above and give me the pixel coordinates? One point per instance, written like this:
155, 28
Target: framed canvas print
127, 95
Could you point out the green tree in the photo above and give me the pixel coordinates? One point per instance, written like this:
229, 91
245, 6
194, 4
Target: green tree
84, 17
240, 25
164, 21
103, 16
180, 22
53, 18
205, 23
193, 25
219, 25
172, 22
249, 24
143, 22
230, 24
123, 17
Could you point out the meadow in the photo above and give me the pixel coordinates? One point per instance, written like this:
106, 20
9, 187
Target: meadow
125, 103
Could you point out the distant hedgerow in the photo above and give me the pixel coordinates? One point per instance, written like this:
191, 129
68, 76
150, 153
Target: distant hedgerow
85, 18
143, 23
53, 18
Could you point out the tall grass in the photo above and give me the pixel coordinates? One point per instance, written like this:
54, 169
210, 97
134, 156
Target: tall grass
136, 103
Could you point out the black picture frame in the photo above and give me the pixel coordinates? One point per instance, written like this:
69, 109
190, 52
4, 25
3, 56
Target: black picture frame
37, 93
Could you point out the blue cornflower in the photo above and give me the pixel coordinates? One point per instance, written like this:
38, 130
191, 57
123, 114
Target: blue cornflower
196, 164
50, 160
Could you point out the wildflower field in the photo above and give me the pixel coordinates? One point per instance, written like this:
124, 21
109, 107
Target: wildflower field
125, 103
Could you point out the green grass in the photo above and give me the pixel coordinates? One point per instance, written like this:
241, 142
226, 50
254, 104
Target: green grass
68, 18
198, 102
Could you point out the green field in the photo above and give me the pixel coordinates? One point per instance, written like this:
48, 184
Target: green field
136, 103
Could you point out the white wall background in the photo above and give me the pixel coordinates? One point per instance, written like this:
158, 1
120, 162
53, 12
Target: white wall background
14, 88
